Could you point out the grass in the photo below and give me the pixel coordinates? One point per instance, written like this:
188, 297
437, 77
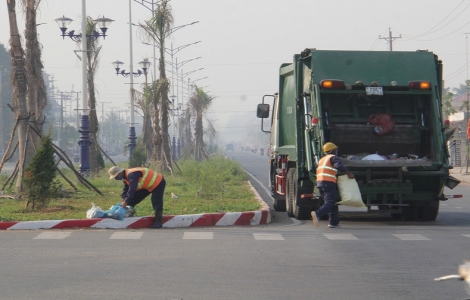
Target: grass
218, 185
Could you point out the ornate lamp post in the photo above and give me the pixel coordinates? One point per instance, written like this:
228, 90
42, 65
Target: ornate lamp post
145, 64
64, 22
84, 130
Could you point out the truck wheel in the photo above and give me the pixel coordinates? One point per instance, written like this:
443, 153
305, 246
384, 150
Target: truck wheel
300, 213
428, 213
290, 192
410, 213
279, 204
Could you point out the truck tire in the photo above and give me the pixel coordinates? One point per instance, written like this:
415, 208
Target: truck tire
290, 192
410, 213
428, 213
279, 204
299, 212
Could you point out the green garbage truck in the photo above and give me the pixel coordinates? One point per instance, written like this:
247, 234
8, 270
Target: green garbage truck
381, 108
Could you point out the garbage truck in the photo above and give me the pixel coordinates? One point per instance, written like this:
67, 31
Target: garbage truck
381, 108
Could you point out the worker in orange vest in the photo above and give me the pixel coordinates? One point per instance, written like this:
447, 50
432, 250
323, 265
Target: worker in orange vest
327, 170
138, 184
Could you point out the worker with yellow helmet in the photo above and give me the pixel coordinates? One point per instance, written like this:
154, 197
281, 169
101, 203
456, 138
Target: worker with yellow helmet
327, 170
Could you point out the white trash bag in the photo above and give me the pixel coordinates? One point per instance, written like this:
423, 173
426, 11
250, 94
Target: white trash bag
349, 192
95, 212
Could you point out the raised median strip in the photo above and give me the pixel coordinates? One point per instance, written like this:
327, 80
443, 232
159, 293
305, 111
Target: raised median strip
251, 218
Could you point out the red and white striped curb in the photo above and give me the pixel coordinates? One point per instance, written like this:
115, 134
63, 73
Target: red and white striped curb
262, 216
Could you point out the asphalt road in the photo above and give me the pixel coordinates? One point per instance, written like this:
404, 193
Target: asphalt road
370, 257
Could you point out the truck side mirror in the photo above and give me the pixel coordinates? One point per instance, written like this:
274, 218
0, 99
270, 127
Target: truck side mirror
263, 111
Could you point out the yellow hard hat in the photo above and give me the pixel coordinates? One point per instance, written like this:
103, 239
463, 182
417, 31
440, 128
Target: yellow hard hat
328, 147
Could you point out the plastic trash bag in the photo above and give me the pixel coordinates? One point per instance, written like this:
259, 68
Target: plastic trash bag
116, 212
385, 123
130, 212
95, 212
373, 157
349, 192
119, 214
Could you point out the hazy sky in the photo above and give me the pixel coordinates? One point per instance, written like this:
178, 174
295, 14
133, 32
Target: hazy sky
243, 42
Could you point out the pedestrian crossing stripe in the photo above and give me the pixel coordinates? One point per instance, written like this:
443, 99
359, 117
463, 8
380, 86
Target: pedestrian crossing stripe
198, 235
124, 235
411, 237
268, 237
52, 235
340, 236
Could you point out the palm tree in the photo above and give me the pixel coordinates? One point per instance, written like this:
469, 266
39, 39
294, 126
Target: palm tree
19, 83
157, 29
199, 103
143, 101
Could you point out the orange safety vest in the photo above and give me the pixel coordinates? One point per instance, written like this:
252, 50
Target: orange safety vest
149, 180
325, 170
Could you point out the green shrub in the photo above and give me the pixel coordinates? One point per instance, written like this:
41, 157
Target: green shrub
39, 183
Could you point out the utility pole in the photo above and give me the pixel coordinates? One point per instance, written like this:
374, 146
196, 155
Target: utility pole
2, 141
467, 82
390, 38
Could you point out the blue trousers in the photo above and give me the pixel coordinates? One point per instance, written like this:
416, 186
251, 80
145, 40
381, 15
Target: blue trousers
330, 196
157, 196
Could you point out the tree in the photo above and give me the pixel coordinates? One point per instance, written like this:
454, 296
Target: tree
144, 101
157, 29
19, 83
93, 52
447, 108
199, 103
36, 92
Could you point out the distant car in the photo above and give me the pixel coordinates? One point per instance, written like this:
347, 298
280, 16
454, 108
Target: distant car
229, 147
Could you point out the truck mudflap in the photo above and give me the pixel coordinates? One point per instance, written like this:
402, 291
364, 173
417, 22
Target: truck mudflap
452, 182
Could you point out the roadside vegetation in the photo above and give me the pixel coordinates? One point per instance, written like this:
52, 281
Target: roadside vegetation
216, 185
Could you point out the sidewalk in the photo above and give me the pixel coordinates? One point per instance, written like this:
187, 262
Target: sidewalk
251, 218
460, 174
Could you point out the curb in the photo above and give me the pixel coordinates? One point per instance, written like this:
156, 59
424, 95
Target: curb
251, 218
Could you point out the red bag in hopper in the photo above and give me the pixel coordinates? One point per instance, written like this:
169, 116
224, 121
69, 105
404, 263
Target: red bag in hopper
385, 123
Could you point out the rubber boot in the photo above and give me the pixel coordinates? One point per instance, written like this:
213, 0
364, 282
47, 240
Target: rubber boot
158, 219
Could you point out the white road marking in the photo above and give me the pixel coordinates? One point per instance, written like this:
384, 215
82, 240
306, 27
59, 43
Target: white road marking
198, 235
411, 237
124, 235
340, 236
466, 235
52, 235
268, 237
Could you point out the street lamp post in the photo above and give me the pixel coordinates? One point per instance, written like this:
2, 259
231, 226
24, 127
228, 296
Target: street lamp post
84, 130
117, 66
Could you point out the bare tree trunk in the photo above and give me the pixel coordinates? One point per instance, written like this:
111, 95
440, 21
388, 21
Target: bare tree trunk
164, 105
198, 152
94, 151
36, 93
19, 82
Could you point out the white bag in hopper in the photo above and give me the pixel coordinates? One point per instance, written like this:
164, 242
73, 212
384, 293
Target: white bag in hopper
373, 157
349, 192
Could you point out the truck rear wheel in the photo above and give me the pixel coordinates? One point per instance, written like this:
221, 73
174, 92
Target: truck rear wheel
410, 213
428, 213
290, 192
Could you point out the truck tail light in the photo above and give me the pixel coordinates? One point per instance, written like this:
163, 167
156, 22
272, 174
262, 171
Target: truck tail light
419, 85
314, 121
332, 84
